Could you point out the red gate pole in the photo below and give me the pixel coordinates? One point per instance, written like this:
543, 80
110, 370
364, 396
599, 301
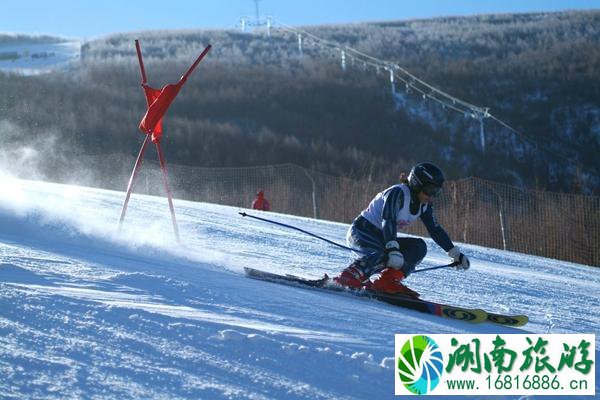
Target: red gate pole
140, 157
158, 103
195, 64
163, 167
141, 61
134, 173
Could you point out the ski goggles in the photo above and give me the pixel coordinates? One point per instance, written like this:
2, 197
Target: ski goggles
431, 190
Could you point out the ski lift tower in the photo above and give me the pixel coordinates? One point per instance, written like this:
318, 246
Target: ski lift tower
257, 22
256, 9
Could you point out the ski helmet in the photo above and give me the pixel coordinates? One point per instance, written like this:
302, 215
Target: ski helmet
426, 177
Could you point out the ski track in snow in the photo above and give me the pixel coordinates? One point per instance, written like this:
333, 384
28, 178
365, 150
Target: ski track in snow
90, 312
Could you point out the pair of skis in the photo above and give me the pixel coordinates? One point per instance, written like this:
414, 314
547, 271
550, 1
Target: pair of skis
472, 315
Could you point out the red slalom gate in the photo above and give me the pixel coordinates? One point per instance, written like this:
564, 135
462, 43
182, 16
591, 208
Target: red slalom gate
158, 101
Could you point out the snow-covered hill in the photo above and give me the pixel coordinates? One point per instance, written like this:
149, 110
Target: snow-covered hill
37, 58
88, 312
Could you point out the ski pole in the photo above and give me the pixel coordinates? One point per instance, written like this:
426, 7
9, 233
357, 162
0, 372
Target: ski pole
243, 214
453, 264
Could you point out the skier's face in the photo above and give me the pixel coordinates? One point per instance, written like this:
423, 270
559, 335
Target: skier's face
424, 198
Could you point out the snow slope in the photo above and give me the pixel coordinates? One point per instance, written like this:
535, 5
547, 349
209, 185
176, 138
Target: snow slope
38, 58
88, 312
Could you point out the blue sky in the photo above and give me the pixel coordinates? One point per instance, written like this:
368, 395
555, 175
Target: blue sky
86, 19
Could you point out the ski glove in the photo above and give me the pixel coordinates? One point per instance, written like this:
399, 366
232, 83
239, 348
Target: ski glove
395, 259
460, 258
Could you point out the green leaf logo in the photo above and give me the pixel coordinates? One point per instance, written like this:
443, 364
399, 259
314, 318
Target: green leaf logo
420, 364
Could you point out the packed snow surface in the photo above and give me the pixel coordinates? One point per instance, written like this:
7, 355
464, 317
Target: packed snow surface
87, 311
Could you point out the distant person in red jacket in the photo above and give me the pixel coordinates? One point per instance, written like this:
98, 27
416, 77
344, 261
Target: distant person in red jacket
260, 203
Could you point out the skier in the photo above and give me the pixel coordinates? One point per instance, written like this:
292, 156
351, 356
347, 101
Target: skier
374, 232
260, 203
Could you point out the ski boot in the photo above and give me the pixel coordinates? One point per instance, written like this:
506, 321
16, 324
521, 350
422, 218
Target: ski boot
390, 282
352, 277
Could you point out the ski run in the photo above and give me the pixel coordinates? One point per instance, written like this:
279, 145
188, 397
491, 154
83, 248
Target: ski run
87, 311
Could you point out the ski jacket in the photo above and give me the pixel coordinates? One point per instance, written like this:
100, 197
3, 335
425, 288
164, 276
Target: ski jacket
394, 210
260, 203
